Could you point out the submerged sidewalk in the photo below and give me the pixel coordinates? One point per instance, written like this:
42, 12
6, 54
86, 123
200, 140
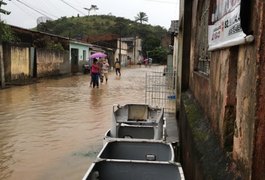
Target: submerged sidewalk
172, 129
172, 133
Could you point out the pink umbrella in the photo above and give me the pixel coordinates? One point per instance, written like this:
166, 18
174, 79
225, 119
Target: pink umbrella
98, 55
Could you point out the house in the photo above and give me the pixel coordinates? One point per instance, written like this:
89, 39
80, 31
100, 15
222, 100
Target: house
126, 49
79, 54
134, 49
174, 42
37, 54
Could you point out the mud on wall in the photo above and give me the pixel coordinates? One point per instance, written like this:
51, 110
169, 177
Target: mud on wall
202, 157
51, 63
16, 62
211, 89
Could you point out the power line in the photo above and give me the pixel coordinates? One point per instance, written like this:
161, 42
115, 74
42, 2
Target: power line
72, 7
164, 2
26, 12
33, 9
46, 7
56, 17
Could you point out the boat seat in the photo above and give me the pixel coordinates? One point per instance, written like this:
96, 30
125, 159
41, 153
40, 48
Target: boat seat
137, 113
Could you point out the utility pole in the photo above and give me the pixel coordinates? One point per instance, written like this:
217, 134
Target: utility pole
2, 69
134, 49
120, 26
120, 47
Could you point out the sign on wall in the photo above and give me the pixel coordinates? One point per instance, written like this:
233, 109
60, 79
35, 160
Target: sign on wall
225, 30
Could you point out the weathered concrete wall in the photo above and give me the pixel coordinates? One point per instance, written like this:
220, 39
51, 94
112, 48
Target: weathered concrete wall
19, 63
211, 91
259, 143
2, 69
245, 111
222, 95
16, 62
51, 63
202, 158
231, 97
200, 88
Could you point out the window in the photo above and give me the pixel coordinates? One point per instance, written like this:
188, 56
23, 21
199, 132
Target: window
203, 60
84, 55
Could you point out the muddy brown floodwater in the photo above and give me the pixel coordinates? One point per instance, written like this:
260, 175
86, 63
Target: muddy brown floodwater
54, 129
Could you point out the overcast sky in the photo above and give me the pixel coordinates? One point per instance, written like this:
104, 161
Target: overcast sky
24, 13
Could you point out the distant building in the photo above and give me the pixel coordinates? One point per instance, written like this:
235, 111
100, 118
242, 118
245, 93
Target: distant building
131, 47
174, 27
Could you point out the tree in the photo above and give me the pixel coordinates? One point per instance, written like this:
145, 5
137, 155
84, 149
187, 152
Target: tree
2, 10
5, 31
159, 55
93, 7
5, 35
141, 17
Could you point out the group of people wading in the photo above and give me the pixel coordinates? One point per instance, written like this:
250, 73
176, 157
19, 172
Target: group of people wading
99, 71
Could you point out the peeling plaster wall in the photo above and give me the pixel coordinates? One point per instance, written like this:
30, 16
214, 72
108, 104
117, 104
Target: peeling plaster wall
232, 96
16, 62
51, 63
19, 62
259, 143
245, 112
218, 88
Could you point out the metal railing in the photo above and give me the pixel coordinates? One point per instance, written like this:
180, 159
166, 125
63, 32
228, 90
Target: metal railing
160, 89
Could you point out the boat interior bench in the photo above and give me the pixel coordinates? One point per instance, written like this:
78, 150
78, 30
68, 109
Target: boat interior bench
115, 170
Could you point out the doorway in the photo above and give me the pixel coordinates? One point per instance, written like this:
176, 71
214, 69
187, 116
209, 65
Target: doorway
74, 60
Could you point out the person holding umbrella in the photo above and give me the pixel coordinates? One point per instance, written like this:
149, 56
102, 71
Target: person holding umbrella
98, 55
95, 70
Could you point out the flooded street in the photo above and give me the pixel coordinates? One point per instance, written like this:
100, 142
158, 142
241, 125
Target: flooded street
54, 129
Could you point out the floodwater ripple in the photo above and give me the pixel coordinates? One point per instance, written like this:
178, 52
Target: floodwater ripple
54, 129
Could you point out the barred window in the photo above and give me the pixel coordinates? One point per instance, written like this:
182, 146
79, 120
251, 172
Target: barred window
203, 61
204, 66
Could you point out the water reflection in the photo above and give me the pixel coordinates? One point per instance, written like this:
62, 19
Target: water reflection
54, 129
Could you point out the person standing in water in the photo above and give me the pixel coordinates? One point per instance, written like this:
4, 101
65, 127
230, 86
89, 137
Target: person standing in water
95, 70
105, 69
117, 66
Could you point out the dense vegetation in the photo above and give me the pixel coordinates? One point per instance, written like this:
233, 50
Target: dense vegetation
5, 32
83, 27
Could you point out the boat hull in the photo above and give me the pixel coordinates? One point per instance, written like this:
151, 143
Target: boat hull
137, 121
138, 150
132, 170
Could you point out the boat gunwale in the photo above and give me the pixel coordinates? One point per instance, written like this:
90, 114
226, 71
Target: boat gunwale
177, 164
172, 159
108, 138
155, 120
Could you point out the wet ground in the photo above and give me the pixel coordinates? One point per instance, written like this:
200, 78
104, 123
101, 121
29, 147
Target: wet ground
54, 129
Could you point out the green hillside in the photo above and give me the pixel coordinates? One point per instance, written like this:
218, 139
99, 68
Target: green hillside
83, 27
